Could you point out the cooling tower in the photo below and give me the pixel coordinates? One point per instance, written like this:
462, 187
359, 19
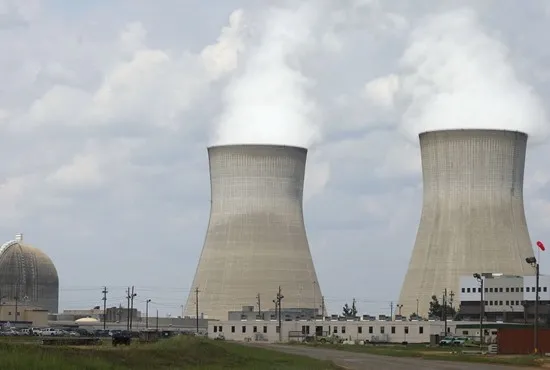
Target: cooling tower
256, 238
28, 275
473, 218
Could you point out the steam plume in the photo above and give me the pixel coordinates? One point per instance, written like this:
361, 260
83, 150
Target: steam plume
268, 102
457, 76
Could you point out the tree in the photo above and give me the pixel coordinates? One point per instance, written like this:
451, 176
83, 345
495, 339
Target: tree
436, 309
348, 311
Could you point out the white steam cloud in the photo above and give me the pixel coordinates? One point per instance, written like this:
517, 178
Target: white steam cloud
455, 76
268, 103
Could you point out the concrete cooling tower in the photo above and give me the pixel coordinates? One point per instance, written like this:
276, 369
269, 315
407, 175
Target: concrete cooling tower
473, 218
256, 238
28, 275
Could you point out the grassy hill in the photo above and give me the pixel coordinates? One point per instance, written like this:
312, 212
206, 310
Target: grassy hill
180, 352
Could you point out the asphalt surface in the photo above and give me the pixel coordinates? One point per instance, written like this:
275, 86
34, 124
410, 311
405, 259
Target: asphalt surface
365, 361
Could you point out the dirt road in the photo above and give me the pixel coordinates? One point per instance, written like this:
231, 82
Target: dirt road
365, 361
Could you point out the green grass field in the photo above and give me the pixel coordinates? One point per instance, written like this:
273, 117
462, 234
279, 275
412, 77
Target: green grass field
436, 353
181, 352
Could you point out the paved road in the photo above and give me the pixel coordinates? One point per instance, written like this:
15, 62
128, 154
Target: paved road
364, 361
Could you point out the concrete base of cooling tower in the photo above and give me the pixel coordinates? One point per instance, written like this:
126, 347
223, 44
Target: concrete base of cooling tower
253, 254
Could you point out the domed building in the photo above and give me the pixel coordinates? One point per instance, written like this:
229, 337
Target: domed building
28, 276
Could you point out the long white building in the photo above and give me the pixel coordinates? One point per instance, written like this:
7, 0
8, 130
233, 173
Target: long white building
361, 330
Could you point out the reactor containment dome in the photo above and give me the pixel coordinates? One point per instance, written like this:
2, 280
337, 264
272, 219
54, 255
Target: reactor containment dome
473, 218
28, 276
256, 239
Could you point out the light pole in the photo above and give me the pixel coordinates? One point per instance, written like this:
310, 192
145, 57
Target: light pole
481, 307
147, 313
399, 307
534, 263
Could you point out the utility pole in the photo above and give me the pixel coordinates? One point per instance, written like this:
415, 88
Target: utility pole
147, 313
259, 303
157, 319
132, 307
323, 306
391, 310
104, 307
128, 309
197, 308
314, 303
417, 314
444, 313
451, 294
279, 299
16, 313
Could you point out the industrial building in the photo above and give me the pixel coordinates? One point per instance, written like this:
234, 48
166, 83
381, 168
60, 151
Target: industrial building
473, 217
256, 239
506, 298
27, 316
28, 276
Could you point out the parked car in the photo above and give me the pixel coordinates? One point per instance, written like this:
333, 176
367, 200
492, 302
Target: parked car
50, 332
447, 341
36, 331
460, 341
122, 337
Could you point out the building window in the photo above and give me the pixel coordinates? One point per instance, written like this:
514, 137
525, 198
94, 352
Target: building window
544, 289
420, 330
360, 329
517, 290
463, 290
382, 330
486, 303
500, 303
277, 329
335, 331
371, 330
490, 290
265, 329
244, 329
527, 289
343, 330
232, 329
220, 328
539, 289
521, 289
486, 290
507, 290
215, 329
393, 329
9, 313
517, 303
532, 289
406, 330
507, 303
468, 290
500, 290
255, 329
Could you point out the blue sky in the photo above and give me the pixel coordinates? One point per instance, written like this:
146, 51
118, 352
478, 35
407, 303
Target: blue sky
106, 109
